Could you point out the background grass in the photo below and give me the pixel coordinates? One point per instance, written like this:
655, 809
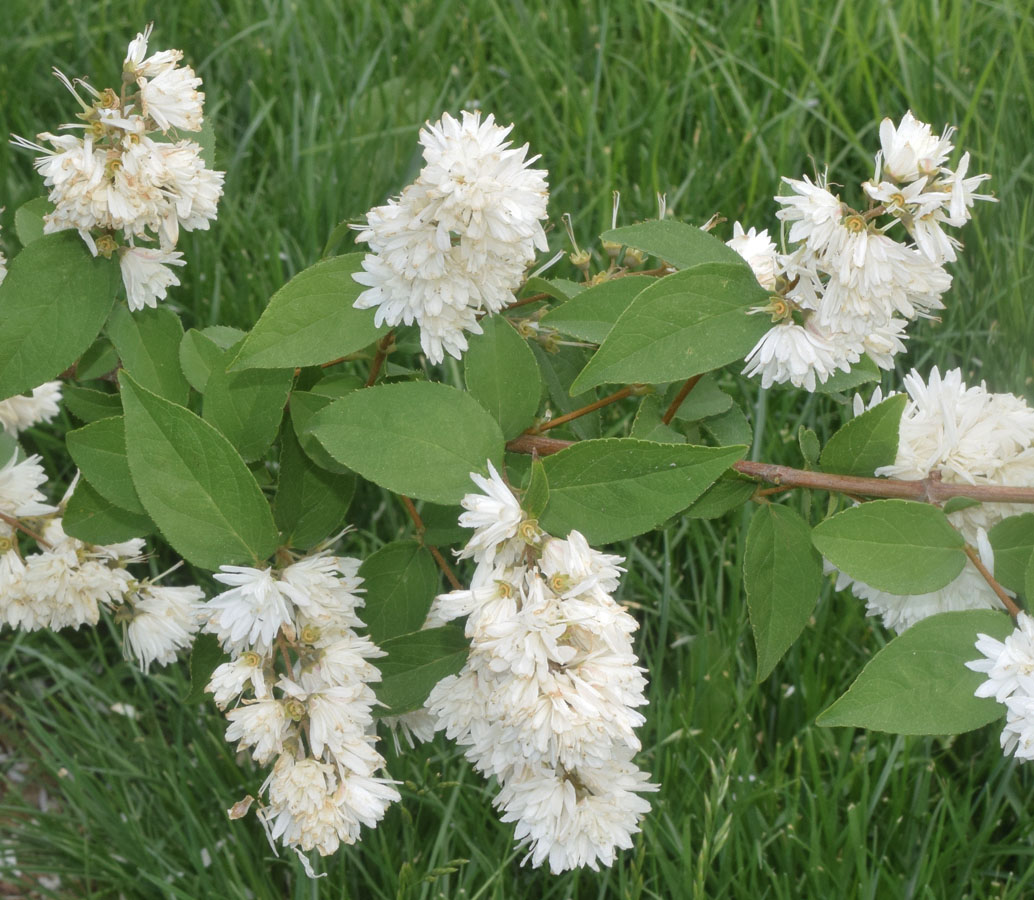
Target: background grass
316, 106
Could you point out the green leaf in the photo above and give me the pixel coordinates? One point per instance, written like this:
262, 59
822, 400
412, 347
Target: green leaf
957, 504
199, 355
684, 324
91, 518
311, 320
866, 442
1028, 580
617, 488
782, 573
591, 315
400, 580
194, 484
558, 372
502, 375
415, 438
863, 371
415, 663
97, 360
731, 427
1013, 543
8, 447
441, 525
248, 406
897, 546
205, 139
28, 219
99, 450
649, 422
674, 242
53, 304
558, 288
310, 502
919, 683
89, 405
205, 655
303, 406
536, 497
705, 400
727, 493
148, 344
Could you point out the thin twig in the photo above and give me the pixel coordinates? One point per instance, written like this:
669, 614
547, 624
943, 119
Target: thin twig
418, 523
534, 298
20, 526
585, 410
974, 558
680, 398
383, 346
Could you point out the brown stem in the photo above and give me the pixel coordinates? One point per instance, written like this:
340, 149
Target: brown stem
585, 410
678, 401
282, 647
418, 523
19, 526
534, 298
929, 490
383, 346
974, 558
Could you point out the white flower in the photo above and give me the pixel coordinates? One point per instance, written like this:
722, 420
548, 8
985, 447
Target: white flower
1009, 667
229, 679
164, 622
23, 411
759, 251
816, 214
324, 588
495, 515
172, 100
19, 490
250, 614
263, 725
146, 274
791, 352
910, 150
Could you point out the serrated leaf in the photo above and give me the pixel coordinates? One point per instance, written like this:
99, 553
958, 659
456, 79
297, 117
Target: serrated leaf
684, 324
415, 664
897, 546
559, 288
53, 303
863, 371
311, 319
674, 242
28, 219
705, 400
866, 442
98, 360
731, 427
205, 655
558, 372
89, 405
649, 422
441, 525
303, 406
727, 493
199, 355
400, 580
782, 573
808, 441
502, 375
919, 683
247, 406
616, 488
91, 518
536, 497
147, 342
311, 502
591, 315
99, 450
416, 438
957, 504
193, 483
1013, 543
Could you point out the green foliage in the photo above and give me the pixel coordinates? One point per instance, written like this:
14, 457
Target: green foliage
727, 493
28, 220
919, 683
684, 324
205, 655
867, 441
415, 663
147, 342
649, 423
1013, 543
862, 372
590, 315
896, 546
415, 438
194, 484
311, 320
502, 375
53, 304
199, 356
705, 400
96, 520
536, 497
617, 488
559, 371
89, 405
782, 574
400, 580
99, 450
677, 243
304, 405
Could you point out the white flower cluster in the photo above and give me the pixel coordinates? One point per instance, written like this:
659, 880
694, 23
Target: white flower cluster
547, 701
848, 288
458, 239
67, 582
25, 410
115, 179
314, 716
969, 436
1009, 667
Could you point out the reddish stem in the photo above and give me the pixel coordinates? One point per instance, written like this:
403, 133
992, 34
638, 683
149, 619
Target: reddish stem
678, 401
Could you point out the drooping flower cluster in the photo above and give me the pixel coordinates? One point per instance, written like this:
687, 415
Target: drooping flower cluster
299, 687
848, 288
124, 189
547, 702
457, 241
1009, 667
67, 582
969, 436
25, 410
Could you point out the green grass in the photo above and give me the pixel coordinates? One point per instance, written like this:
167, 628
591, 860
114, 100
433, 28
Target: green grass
316, 106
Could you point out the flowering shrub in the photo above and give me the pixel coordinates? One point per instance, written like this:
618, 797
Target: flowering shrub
240, 453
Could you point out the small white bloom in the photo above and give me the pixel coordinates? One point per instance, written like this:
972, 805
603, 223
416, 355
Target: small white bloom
791, 352
23, 411
911, 151
146, 274
164, 622
229, 679
759, 251
495, 515
262, 725
249, 615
